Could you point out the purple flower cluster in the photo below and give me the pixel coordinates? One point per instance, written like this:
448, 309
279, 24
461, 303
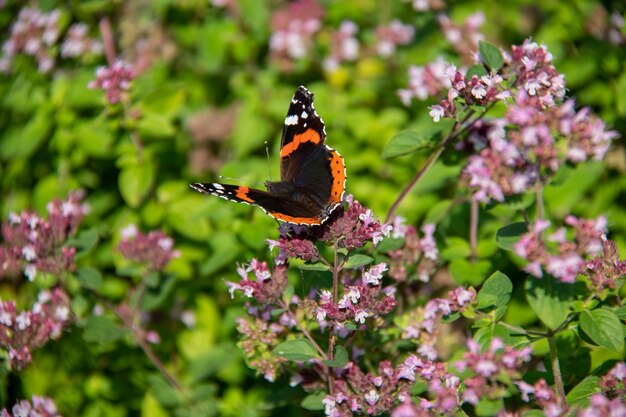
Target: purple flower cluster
22, 332
615, 33
532, 65
114, 80
355, 227
390, 36
357, 393
153, 250
362, 300
543, 395
261, 332
344, 46
535, 137
463, 38
77, 43
427, 5
34, 33
558, 256
415, 252
266, 287
291, 246
41, 407
426, 81
613, 383
479, 91
32, 244
293, 28
350, 229
491, 369
600, 406
422, 324
512, 160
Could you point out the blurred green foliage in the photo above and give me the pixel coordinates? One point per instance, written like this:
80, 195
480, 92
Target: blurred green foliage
209, 69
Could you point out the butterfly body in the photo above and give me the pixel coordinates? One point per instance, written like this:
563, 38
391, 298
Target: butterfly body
313, 175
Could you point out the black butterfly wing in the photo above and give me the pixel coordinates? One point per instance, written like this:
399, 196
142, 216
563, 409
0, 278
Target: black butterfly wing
279, 207
305, 160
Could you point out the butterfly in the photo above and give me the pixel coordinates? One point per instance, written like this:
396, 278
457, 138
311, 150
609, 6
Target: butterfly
312, 174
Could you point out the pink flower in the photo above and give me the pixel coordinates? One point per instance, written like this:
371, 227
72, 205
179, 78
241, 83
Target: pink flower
114, 80
153, 250
396, 33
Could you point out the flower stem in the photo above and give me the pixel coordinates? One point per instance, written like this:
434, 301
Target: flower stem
141, 341
540, 206
331, 334
304, 331
107, 41
473, 232
556, 372
455, 132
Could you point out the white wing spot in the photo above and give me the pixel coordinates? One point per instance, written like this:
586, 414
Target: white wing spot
304, 115
291, 120
217, 186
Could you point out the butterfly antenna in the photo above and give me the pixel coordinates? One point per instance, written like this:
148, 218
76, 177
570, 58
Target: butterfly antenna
269, 164
238, 180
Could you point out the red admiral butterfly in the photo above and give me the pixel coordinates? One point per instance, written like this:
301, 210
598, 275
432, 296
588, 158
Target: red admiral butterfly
313, 175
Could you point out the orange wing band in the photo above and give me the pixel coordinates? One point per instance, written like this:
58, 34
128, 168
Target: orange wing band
338, 167
309, 135
242, 193
295, 220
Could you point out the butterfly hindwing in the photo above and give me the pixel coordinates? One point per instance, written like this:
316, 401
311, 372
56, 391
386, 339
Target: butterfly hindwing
276, 206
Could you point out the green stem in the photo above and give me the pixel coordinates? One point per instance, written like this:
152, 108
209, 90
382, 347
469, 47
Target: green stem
556, 372
282, 304
455, 132
473, 235
331, 334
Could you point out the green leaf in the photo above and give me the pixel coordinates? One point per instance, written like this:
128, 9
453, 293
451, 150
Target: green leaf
466, 272
487, 407
358, 260
296, 350
313, 401
409, 141
477, 70
621, 313
340, 360
214, 40
22, 141
164, 393
94, 138
156, 126
491, 55
604, 328
620, 96
102, 329
560, 199
85, 240
496, 292
165, 101
317, 266
550, 299
456, 248
586, 388
155, 297
89, 277
151, 407
135, 182
534, 413
510, 234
